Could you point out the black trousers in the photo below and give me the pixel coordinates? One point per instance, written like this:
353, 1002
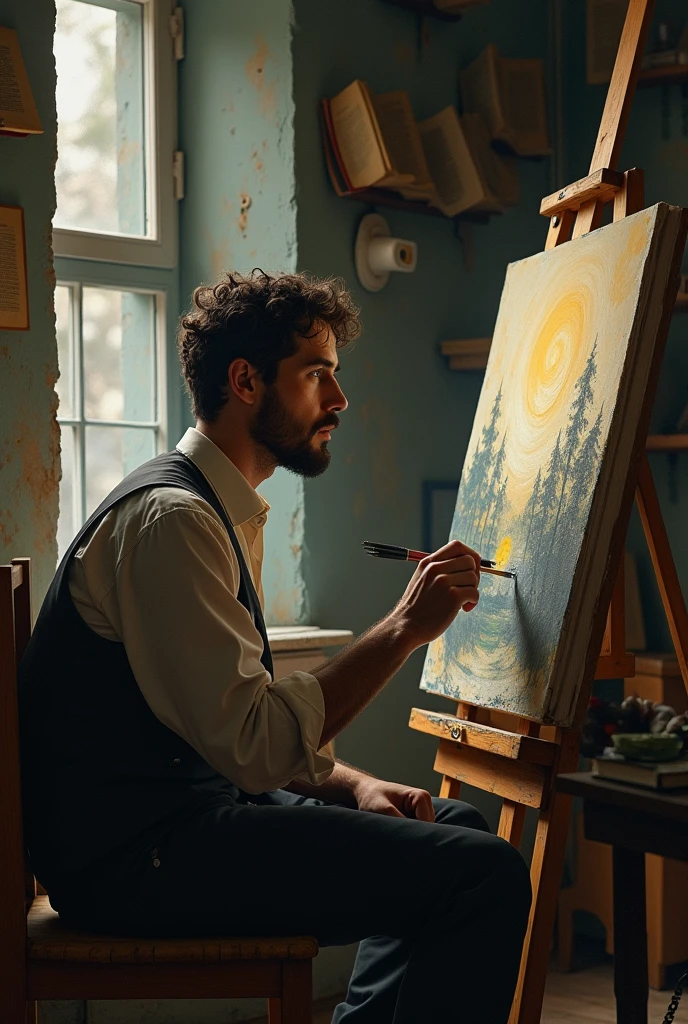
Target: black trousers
441, 908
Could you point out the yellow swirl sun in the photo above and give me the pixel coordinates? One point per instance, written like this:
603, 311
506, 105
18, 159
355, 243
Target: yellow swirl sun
554, 365
545, 371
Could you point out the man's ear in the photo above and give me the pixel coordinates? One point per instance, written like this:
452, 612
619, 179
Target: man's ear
243, 380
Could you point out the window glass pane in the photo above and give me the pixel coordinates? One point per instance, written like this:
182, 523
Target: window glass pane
119, 355
68, 520
65, 352
112, 453
100, 173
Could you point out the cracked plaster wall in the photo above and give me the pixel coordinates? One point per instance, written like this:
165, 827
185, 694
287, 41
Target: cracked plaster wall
29, 435
237, 131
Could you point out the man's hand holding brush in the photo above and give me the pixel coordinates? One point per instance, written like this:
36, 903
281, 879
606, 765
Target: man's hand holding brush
444, 582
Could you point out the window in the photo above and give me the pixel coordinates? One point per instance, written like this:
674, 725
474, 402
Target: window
115, 242
111, 399
116, 167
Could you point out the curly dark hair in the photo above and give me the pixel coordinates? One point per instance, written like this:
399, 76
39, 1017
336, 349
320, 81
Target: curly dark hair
256, 317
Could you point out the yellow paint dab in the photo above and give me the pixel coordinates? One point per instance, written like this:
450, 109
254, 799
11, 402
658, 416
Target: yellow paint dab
503, 553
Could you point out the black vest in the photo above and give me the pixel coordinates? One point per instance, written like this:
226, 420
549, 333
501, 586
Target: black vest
98, 768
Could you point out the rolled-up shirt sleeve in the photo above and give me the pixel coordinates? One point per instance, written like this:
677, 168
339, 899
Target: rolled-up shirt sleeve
195, 653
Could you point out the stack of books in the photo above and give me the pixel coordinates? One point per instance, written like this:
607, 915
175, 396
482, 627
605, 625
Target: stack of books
651, 774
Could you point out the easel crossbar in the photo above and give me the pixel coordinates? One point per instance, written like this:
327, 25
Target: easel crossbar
602, 185
509, 745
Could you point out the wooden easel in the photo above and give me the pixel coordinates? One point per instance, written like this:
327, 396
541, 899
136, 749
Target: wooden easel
513, 757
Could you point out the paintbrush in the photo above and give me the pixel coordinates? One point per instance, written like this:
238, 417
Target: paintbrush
409, 555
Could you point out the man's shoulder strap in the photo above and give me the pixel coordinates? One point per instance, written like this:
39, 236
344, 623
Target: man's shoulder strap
174, 469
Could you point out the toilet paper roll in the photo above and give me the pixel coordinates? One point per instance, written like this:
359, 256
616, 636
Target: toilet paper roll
385, 254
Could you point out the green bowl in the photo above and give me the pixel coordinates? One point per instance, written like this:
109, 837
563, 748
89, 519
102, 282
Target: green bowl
643, 746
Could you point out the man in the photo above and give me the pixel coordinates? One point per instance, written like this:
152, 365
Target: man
170, 785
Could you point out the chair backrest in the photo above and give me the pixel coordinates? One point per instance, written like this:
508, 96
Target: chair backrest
17, 885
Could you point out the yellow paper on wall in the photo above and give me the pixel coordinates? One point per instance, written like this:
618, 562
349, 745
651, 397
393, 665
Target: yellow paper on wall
14, 302
17, 109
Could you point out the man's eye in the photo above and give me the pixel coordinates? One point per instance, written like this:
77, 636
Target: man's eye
316, 373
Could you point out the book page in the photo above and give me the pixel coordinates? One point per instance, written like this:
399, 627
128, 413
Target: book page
604, 20
14, 303
486, 160
362, 153
480, 91
394, 178
401, 138
17, 109
451, 165
522, 87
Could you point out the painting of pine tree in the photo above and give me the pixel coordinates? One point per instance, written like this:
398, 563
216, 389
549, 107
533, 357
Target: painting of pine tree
554, 429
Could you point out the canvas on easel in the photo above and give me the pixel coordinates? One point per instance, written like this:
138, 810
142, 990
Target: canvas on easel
553, 441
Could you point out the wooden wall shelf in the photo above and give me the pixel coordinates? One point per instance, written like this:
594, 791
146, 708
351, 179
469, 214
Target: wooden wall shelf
381, 197
656, 442
663, 76
667, 443
425, 8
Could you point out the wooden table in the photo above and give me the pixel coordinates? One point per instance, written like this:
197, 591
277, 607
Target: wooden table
634, 821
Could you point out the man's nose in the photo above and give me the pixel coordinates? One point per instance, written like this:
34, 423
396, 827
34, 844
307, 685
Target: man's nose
338, 402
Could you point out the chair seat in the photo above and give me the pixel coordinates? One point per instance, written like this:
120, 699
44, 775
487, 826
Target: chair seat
50, 939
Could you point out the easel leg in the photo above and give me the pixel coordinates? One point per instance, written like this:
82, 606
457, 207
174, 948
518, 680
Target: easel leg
545, 877
511, 822
513, 815
663, 565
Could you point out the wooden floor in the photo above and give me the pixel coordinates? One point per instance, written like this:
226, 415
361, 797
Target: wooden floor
579, 997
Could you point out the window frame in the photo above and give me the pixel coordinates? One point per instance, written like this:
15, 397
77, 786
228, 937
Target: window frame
162, 283
158, 249
78, 421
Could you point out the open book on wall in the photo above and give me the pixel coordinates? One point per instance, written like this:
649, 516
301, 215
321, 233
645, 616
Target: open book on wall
510, 96
444, 161
363, 149
458, 183
498, 172
18, 112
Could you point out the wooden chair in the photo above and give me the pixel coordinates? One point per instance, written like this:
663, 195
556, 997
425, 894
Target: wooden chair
42, 959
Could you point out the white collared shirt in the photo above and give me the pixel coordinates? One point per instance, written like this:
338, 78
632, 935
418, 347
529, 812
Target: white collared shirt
159, 574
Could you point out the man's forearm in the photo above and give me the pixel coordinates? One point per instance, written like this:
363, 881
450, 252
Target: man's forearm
340, 788
351, 680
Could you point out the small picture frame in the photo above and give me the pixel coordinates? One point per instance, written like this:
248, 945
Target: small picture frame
14, 297
439, 501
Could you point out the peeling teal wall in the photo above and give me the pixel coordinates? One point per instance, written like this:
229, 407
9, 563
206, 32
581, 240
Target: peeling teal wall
29, 436
665, 162
409, 417
237, 131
